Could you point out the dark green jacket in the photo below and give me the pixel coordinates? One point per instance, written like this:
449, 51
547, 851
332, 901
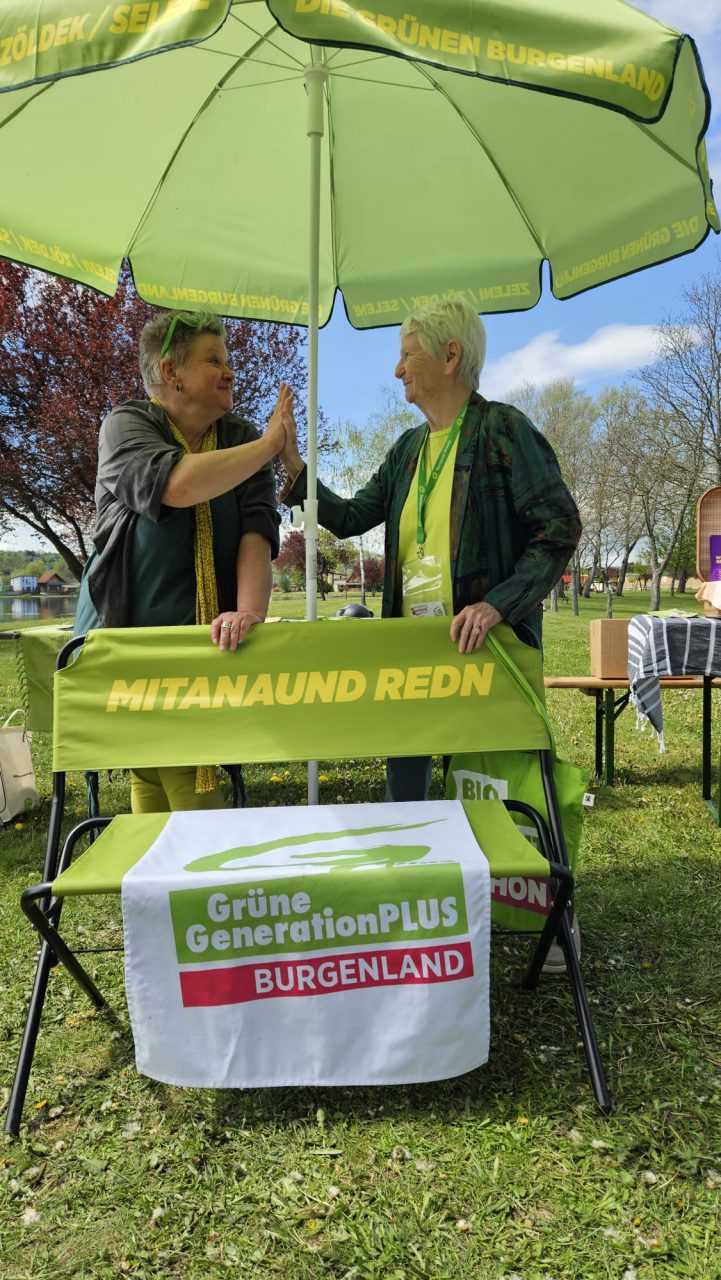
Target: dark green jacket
514, 525
142, 569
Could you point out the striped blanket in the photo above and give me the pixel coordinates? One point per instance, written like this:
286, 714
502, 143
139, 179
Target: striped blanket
668, 647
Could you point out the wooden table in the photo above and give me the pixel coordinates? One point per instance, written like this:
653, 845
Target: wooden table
611, 699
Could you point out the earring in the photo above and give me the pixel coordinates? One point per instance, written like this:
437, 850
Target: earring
178, 387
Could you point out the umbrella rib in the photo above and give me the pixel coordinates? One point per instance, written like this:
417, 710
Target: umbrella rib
472, 130
220, 84
387, 84
257, 84
370, 57
292, 68
41, 89
265, 39
331, 186
692, 168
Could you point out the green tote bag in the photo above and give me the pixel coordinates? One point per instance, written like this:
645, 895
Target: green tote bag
521, 902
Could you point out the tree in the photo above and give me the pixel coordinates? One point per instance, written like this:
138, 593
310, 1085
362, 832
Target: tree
359, 453
67, 355
685, 382
347, 560
665, 476
641, 573
682, 562
375, 570
291, 557
617, 408
35, 567
566, 416
330, 551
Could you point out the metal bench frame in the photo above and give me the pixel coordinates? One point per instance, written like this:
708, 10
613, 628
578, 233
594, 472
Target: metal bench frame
43, 910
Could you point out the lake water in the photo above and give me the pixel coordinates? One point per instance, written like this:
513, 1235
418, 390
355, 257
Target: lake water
41, 608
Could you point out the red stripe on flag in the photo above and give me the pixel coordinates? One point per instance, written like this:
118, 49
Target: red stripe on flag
324, 975
526, 892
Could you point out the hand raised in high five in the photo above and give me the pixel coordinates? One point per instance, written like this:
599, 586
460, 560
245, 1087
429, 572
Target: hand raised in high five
290, 454
281, 421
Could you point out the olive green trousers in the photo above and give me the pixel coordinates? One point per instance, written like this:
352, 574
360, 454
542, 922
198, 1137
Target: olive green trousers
164, 790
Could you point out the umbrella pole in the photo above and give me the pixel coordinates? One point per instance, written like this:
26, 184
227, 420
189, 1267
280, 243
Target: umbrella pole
316, 76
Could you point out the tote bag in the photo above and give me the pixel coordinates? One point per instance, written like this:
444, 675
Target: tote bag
17, 776
521, 902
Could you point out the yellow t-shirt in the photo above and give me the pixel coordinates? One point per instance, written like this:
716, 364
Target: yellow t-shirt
436, 522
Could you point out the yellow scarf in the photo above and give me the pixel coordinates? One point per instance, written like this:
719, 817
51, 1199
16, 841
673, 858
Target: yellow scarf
206, 587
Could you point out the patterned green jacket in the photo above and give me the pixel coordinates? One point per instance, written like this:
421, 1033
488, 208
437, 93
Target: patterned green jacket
513, 523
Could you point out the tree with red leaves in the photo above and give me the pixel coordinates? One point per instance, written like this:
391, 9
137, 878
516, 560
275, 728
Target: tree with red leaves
67, 355
375, 568
291, 557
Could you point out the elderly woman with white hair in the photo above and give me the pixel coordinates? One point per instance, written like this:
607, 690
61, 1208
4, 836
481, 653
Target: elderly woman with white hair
187, 519
478, 522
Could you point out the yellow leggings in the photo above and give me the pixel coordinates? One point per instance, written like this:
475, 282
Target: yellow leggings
163, 790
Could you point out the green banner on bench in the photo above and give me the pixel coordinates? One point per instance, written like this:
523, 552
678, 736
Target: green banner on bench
133, 697
35, 652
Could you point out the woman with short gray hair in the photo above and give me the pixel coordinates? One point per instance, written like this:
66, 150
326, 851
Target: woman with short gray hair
478, 522
174, 335
187, 519
438, 323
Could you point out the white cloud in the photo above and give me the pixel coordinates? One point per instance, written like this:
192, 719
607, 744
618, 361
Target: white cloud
612, 350
702, 15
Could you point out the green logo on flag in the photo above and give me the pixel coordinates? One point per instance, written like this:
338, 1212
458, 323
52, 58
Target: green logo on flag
385, 855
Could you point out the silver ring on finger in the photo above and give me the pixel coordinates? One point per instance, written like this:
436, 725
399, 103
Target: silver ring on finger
226, 626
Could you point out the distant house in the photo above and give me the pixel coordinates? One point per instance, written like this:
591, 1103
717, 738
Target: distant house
348, 580
50, 584
24, 582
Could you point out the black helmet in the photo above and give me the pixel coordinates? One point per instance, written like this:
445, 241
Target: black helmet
354, 611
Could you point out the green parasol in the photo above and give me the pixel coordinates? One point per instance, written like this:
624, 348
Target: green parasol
454, 146
193, 164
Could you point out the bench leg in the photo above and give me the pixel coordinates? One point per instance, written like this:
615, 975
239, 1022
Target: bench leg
27, 1046
585, 1020
609, 717
706, 754
559, 924
605, 735
52, 949
599, 734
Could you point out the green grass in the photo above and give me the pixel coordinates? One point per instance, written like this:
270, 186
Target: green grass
508, 1171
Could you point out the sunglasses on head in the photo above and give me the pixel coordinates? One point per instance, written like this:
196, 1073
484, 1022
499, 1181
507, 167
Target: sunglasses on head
183, 318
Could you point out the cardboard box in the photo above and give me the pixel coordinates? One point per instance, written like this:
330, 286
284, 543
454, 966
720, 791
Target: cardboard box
609, 647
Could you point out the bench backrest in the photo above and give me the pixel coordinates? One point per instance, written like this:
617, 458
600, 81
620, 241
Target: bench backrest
293, 691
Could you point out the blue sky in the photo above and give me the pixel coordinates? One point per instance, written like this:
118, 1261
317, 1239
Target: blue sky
601, 337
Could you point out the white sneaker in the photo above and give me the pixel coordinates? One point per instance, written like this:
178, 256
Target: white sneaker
555, 960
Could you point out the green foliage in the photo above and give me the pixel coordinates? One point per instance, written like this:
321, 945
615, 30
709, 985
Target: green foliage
34, 567
13, 563
361, 450
506, 1171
